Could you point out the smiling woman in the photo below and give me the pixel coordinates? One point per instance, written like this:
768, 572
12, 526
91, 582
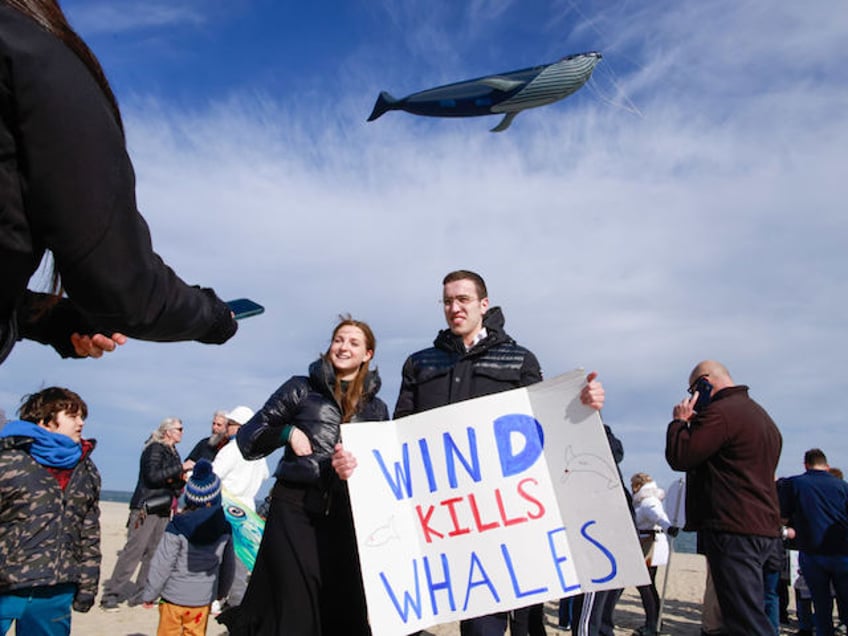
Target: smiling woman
306, 579
67, 187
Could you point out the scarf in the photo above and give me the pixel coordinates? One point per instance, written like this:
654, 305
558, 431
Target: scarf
47, 448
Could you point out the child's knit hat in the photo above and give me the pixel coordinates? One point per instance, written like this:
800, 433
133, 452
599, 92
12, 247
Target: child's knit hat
204, 486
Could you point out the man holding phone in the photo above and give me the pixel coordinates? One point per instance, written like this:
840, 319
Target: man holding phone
729, 447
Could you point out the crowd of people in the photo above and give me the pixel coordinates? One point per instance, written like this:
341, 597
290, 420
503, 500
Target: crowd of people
109, 284
306, 579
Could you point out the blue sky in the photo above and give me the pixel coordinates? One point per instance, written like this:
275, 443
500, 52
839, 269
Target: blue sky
688, 203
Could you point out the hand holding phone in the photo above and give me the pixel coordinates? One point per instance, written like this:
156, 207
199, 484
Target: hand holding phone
244, 308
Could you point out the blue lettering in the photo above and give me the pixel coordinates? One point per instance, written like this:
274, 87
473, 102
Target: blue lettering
607, 554
408, 601
402, 475
444, 585
484, 580
428, 463
515, 587
534, 440
452, 453
558, 560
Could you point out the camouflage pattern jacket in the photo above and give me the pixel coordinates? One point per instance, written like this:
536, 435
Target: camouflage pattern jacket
48, 536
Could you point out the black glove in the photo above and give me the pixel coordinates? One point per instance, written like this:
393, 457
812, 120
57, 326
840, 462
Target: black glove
83, 602
672, 531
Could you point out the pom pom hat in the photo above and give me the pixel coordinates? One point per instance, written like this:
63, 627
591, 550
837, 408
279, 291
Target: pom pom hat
203, 487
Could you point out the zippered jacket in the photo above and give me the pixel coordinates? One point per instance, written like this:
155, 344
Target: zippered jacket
48, 536
447, 372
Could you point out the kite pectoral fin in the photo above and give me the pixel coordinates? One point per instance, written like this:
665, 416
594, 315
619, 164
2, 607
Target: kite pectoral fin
384, 103
505, 122
501, 84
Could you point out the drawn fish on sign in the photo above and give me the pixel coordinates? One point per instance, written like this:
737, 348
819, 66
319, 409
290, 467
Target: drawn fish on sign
507, 93
593, 465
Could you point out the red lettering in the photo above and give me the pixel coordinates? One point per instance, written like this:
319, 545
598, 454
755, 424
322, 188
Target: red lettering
425, 524
451, 505
540, 512
507, 522
481, 527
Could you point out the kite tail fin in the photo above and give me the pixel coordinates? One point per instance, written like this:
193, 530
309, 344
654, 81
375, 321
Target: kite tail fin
385, 102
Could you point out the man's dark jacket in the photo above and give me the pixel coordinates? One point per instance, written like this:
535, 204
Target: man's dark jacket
730, 452
447, 373
816, 504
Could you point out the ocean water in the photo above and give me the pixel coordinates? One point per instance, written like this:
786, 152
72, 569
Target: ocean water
685, 541
118, 496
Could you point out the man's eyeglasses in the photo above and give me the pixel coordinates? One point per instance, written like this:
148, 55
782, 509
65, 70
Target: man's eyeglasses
462, 300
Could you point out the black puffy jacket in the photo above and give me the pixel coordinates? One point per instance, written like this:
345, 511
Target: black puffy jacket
308, 404
447, 373
160, 472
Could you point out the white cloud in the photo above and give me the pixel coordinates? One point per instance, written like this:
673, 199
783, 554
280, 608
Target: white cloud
116, 16
711, 226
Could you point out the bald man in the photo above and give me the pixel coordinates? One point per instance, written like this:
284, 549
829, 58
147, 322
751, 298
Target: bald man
729, 447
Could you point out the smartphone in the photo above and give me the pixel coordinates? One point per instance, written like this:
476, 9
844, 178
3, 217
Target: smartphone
705, 391
244, 308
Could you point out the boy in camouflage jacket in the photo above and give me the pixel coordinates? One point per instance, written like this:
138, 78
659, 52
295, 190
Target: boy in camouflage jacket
49, 515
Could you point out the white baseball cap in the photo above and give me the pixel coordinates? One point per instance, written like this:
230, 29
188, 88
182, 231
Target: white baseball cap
240, 414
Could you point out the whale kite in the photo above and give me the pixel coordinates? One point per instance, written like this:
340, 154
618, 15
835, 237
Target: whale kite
507, 93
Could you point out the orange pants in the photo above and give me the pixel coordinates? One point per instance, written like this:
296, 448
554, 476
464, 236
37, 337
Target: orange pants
179, 620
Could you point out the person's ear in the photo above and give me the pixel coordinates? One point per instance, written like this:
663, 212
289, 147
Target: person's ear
484, 304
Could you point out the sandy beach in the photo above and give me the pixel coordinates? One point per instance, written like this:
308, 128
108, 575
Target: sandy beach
681, 615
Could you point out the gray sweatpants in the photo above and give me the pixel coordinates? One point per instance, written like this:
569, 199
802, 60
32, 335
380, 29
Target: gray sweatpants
143, 535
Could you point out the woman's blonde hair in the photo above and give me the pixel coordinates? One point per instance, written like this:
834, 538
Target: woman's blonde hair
638, 480
168, 424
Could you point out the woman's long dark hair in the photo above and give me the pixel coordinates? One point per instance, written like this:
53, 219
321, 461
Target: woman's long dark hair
49, 15
349, 400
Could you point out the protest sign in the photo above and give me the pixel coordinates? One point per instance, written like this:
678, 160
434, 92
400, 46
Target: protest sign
487, 505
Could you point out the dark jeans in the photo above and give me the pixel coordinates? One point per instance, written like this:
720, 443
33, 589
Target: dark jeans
738, 564
820, 572
650, 600
490, 625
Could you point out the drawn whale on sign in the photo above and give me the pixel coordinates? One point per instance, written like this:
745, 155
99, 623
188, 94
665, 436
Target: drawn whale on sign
507, 93
593, 465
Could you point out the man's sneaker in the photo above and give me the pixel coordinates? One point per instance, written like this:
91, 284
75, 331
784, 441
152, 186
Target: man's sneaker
109, 604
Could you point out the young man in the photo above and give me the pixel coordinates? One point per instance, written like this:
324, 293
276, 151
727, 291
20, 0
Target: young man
816, 505
474, 357
49, 515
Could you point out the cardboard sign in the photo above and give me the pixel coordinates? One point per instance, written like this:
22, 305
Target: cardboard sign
488, 505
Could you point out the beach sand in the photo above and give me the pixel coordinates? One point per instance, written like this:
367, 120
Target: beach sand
681, 616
